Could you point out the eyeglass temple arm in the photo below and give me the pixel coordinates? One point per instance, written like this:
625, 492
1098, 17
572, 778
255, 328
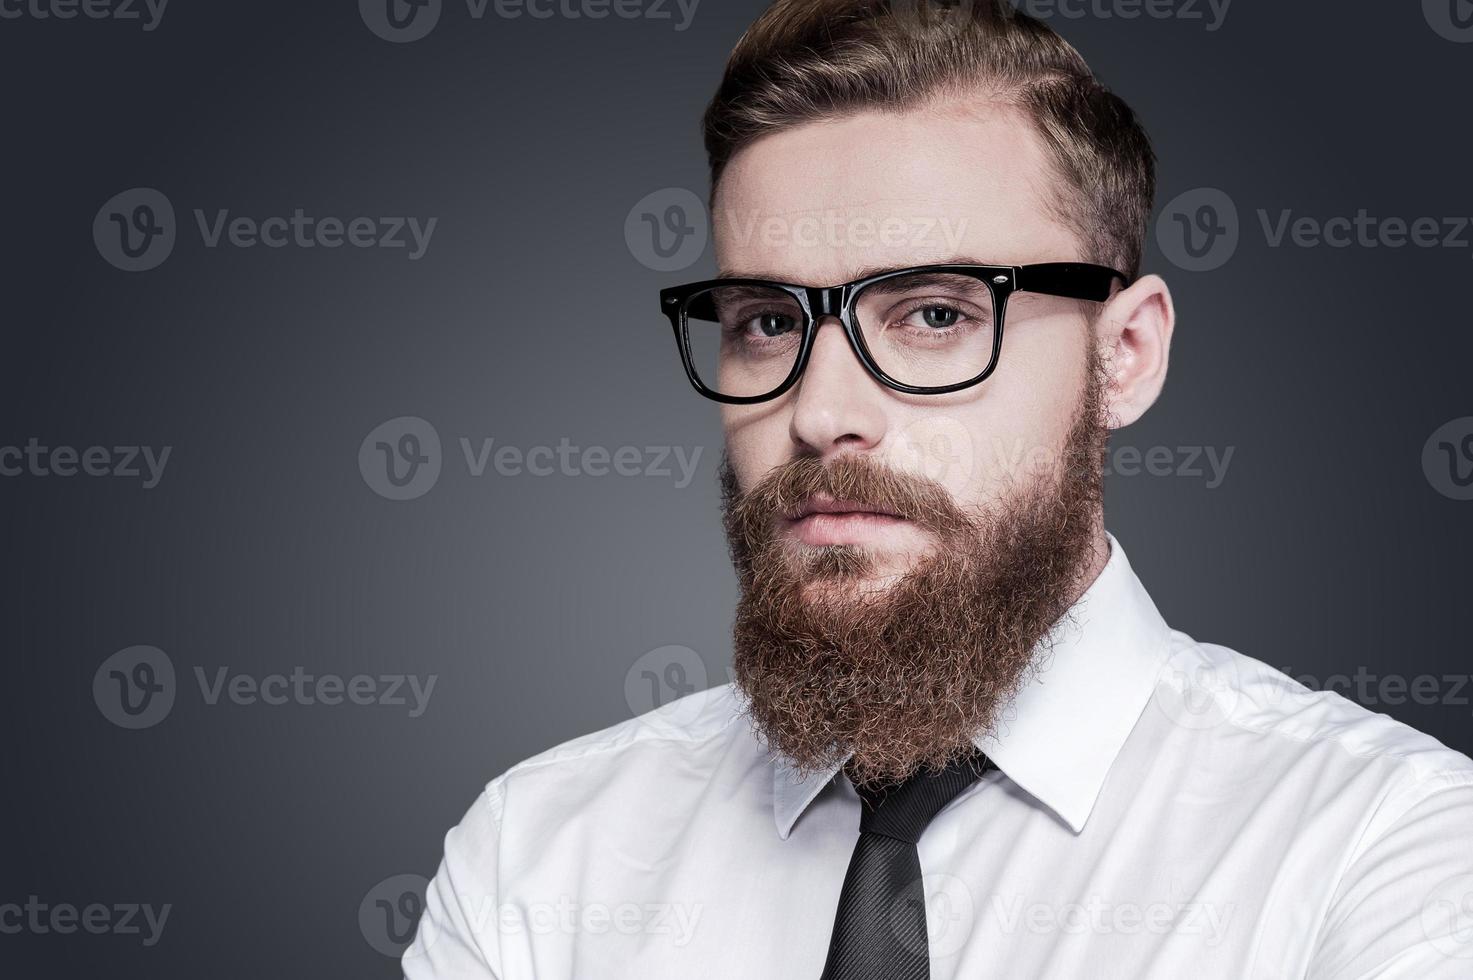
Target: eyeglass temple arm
1072, 280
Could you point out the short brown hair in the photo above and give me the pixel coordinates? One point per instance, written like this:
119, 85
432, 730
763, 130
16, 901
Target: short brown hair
807, 60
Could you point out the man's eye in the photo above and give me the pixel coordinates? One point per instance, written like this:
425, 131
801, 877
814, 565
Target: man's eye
770, 324
939, 317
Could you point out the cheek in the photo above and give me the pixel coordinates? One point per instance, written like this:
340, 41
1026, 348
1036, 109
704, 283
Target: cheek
979, 453
756, 441
1009, 432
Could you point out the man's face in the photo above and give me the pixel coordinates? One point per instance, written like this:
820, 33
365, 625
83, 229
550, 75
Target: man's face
827, 202
896, 634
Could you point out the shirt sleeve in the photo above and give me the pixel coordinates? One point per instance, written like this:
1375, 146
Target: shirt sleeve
1404, 907
457, 937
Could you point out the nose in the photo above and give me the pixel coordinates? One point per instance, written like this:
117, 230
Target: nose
838, 405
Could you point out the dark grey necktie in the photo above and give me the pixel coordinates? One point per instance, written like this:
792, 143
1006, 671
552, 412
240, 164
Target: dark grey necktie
880, 928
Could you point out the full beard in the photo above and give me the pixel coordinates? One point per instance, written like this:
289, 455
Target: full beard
906, 677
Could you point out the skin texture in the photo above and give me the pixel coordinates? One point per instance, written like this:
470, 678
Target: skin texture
855, 635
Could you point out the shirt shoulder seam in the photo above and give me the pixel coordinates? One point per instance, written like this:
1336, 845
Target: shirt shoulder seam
648, 734
1455, 776
1460, 774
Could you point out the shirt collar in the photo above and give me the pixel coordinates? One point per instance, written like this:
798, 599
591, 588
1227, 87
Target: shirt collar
1071, 717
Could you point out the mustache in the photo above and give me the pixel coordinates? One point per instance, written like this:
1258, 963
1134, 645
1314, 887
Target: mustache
852, 478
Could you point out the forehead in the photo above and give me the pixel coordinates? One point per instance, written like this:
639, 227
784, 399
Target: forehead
825, 202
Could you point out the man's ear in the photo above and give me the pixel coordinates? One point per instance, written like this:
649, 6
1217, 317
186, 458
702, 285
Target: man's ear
1134, 334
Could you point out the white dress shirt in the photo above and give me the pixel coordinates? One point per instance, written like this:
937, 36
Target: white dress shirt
1161, 808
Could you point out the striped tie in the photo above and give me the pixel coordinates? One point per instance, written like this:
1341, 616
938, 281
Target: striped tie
880, 928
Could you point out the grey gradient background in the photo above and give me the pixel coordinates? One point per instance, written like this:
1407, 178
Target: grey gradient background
529, 320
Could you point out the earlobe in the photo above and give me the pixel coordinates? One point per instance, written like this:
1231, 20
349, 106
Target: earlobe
1134, 335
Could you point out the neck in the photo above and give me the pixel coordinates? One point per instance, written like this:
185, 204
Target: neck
1099, 555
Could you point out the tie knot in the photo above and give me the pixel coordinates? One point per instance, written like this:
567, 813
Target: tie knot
904, 810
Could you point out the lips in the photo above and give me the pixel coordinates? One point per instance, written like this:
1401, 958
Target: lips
828, 505
822, 521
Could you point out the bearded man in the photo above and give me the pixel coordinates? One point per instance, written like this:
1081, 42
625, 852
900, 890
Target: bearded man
961, 741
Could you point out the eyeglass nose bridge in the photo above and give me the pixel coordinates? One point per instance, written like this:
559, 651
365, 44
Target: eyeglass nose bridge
827, 301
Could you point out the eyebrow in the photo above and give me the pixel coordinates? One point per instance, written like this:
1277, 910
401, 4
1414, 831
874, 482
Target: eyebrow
860, 274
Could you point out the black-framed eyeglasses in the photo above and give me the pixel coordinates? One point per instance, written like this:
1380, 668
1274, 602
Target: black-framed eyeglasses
926, 330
